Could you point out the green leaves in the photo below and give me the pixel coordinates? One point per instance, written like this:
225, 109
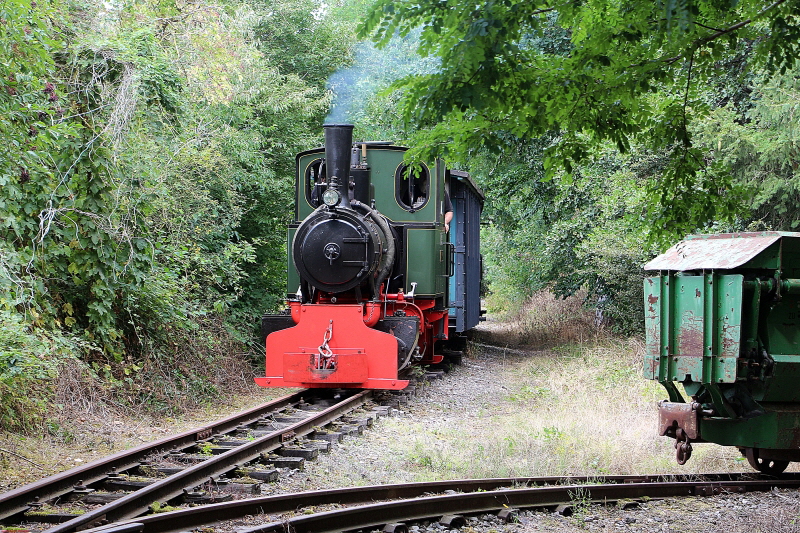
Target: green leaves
145, 163
508, 63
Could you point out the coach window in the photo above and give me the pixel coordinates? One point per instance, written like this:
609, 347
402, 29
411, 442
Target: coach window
412, 187
315, 181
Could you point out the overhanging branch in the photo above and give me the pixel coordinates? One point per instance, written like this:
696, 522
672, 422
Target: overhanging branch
719, 33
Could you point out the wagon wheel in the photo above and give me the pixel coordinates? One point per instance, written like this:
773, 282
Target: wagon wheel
765, 466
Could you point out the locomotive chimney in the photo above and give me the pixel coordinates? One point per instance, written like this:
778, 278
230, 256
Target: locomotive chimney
338, 141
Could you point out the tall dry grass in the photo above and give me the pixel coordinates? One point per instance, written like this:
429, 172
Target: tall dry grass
95, 411
197, 369
92, 410
579, 409
543, 320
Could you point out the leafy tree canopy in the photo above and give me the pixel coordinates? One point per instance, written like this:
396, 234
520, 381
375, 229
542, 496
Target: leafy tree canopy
586, 73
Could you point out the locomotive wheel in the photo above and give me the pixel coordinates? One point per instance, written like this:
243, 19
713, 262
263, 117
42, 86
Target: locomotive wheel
772, 467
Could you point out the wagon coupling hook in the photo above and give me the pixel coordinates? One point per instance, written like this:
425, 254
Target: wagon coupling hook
325, 352
683, 448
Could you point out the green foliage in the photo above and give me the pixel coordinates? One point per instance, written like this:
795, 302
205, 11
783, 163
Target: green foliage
313, 47
631, 71
146, 156
759, 144
656, 120
63, 254
205, 448
158, 507
581, 500
548, 234
21, 351
28, 363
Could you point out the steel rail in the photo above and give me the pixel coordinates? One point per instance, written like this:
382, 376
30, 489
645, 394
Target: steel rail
164, 490
17, 500
480, 502
559, 490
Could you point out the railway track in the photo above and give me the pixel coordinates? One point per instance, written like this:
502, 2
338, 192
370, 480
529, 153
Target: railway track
212, 463
392, 508
210, 466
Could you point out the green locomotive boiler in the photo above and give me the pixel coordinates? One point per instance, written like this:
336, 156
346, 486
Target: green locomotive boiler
722, 319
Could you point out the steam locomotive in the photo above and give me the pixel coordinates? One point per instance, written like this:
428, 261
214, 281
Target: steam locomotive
375, 283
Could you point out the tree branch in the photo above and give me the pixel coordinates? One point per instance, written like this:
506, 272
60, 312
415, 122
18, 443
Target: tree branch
713, 36
707, 27
686, 142
23, 458
741, 24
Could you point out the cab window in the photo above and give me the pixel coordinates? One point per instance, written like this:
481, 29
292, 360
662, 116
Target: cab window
412, 187
315, 181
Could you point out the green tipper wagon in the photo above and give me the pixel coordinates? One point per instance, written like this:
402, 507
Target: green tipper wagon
722, 318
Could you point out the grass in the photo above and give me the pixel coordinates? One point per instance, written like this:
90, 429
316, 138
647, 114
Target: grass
550, 394
26, 458
577, 407
581, 410
544, 321
85, 411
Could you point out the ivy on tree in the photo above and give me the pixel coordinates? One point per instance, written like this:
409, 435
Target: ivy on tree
588, 72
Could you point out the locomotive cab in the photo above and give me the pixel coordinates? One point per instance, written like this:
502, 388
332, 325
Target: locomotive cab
368, 269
